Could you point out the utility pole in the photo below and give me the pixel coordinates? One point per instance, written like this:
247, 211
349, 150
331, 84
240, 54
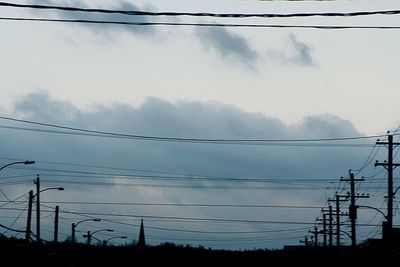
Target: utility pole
330, 226
56, 225
328, 223
389, 166
353, 207
37, 182
337, 202
323, 227
315, 232
337, 221
29, 217
73, 233
89, 237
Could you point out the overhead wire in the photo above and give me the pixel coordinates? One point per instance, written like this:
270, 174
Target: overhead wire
182, 204
75, 130
201, 14
15, 220
232, 25
90, 215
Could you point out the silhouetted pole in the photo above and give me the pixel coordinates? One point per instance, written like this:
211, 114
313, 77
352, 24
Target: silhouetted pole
29, 217
315, 232
56, 225
330, 226
324, 228
353, 210
337, 221
89, 237
389, 167
37, 182
353, 207
73, 233
315, 236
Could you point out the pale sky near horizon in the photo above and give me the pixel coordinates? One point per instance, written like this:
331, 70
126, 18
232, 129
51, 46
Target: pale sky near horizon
283, 73
199, 82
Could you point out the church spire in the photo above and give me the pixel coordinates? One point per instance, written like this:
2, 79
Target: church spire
141, 242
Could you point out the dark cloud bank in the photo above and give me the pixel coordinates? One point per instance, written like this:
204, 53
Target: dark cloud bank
181, 119
156, 117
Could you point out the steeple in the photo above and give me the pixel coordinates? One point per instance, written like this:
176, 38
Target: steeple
141, 242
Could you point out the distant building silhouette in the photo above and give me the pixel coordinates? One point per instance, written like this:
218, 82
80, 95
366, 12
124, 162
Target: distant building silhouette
141, 242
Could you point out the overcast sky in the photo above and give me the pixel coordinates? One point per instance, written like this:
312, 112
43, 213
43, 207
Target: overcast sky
197, 82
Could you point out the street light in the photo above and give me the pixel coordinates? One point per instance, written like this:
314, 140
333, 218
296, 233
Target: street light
89, 234
105, 241
38, 191
31, 197
74, 225
26, 162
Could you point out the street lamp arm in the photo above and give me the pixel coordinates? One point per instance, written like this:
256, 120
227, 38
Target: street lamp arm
26, 162
373, 208
95, 219
395, 191
50, 188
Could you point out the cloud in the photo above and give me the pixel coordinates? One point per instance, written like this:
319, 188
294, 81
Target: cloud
102, 29
297, 53
228, 45
167, 161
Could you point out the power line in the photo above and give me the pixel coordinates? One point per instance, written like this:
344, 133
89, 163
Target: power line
198, 219
227, 142
202, 14
11, 229
189, 218
181, 139
186, 186
185, 177
182, 204
126, 23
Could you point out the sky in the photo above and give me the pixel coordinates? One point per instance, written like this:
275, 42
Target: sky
201, 83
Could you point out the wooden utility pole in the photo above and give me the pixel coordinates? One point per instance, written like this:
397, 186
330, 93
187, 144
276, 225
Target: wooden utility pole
29, 217
37, 182
56, 225
389, 166
353, 207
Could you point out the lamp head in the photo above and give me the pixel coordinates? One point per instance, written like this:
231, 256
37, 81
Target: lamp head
27, 162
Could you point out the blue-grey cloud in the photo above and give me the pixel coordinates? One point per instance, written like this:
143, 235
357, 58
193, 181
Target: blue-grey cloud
230, 46
297, 53
104, 29
157, 117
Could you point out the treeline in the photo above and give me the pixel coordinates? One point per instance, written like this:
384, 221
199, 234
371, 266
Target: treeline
16, 252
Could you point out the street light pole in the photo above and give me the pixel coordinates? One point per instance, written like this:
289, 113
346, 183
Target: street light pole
74, 225
29, 218
37, 182
56, 225
31, 197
